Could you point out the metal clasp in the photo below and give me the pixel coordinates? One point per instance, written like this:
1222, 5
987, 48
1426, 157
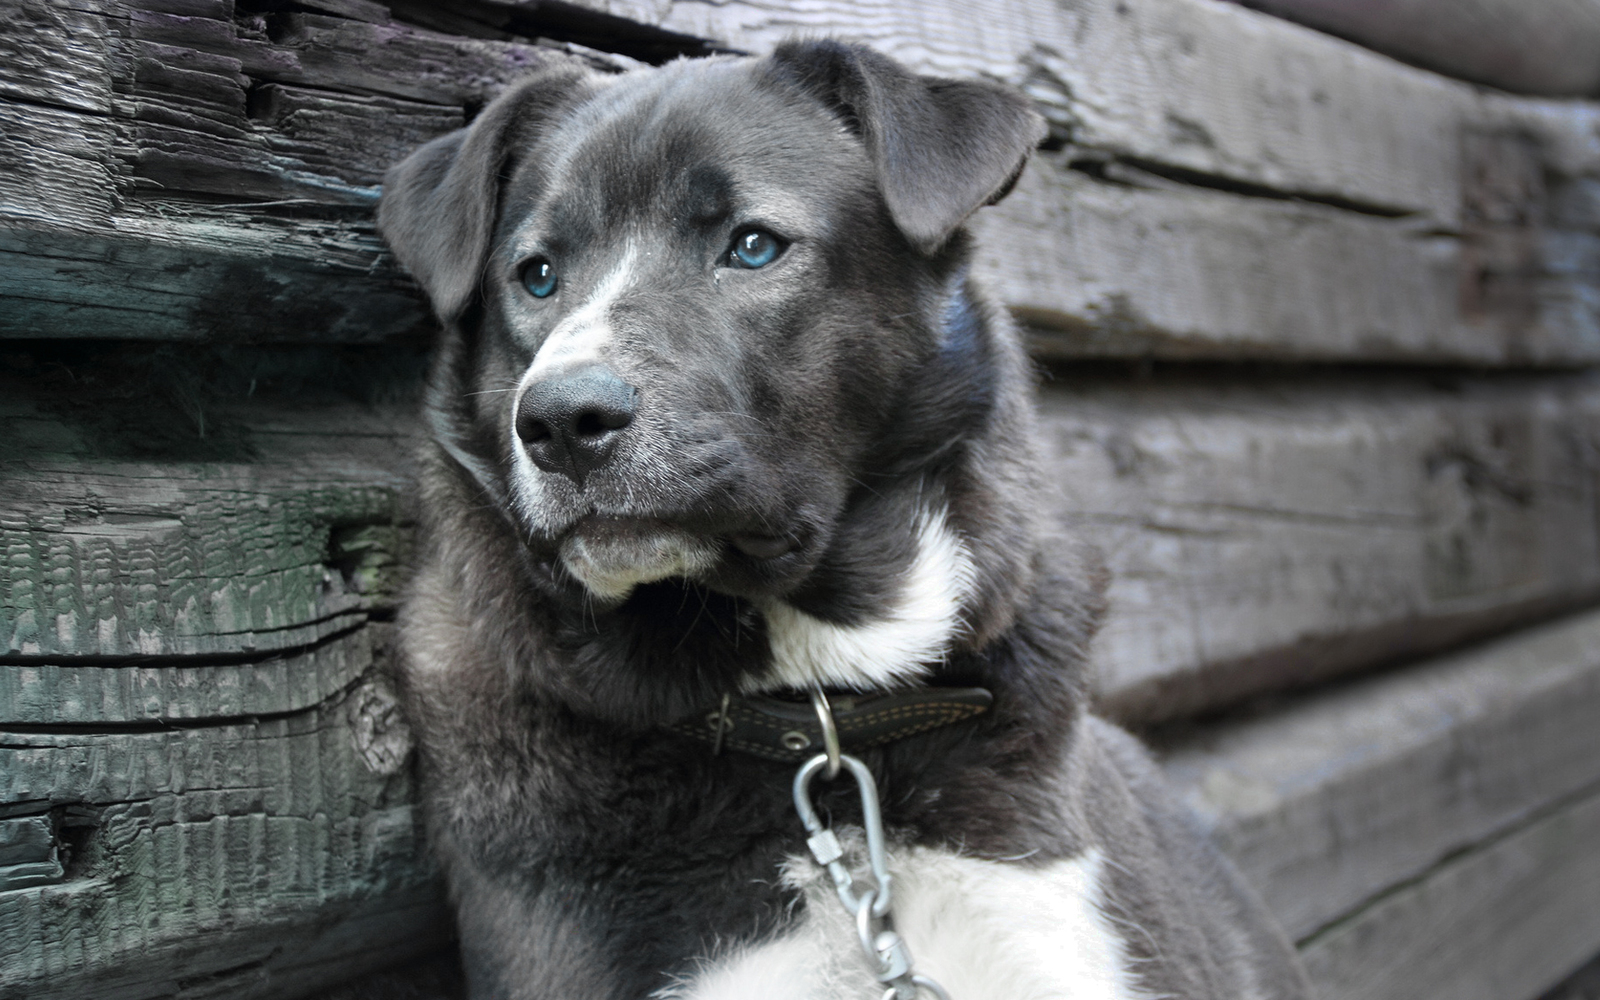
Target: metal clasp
885, 949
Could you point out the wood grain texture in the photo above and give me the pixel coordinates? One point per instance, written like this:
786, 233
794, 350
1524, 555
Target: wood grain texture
68, 692
1264, 532
107, 557
1503, 922
211, 174
117, 159
1551, 47
260, 858
1202, 86
1148, 267
1220, 115
1329, 801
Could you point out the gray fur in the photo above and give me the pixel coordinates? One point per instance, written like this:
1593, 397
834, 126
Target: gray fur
804, 412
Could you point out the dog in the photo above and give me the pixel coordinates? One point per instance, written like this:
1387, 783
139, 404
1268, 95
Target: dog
731, 459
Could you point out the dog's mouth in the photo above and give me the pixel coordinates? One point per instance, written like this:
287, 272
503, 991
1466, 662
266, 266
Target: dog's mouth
762, 546
612, 555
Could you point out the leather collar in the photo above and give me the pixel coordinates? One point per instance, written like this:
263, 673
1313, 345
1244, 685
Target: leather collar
787, 730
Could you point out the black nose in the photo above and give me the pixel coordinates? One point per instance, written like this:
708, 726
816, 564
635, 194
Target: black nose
571, 423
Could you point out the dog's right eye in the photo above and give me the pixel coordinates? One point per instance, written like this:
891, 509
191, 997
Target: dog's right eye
539, 277
755, 248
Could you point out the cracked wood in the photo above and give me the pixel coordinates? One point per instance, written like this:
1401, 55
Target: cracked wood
1264, 533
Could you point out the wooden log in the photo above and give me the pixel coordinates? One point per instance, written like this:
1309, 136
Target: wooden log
1151, 268
119, 149
1503, 922
265, 550
277, 855
1547, 48
1265, 533
1204, 87
1584, 984
1192, 96
180, 689
119, 155
1330, 801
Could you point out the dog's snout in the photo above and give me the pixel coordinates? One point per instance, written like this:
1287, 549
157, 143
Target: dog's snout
570, 424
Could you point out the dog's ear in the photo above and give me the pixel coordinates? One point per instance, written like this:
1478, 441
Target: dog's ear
941, 148
439, 203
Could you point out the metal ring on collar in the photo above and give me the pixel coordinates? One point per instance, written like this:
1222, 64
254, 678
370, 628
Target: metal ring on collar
830, 732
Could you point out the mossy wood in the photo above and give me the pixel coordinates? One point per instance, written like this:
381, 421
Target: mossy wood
262, 857
243, 555
205, 784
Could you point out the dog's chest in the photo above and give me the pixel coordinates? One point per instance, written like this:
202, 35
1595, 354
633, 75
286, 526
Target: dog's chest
984, 930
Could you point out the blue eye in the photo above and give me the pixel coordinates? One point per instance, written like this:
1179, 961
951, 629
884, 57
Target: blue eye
754, 248
539, 277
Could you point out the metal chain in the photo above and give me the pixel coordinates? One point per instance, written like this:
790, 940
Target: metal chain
885, 949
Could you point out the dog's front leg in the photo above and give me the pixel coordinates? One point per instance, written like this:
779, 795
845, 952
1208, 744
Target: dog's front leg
521, 941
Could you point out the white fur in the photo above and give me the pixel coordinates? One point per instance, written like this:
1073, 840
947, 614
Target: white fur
894, 649
581, 337
577, 340
984, 930
611, 569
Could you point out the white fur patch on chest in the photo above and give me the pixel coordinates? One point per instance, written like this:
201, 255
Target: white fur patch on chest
984, 930
894, 648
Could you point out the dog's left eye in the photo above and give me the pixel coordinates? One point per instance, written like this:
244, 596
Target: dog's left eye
539, 277
755, 248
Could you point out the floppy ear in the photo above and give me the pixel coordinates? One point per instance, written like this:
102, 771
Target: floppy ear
941, 148
439, 203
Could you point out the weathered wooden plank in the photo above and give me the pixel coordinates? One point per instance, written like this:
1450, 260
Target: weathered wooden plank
55, 55
59, 693
1551, 47
115, 156
1270, 532
1196, 273
1153, 268
1328, 802
276, 855
1504, 922
248, 553
229, 275
1200, 86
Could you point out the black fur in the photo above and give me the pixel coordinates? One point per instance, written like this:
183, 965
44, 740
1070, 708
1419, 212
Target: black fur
818, 404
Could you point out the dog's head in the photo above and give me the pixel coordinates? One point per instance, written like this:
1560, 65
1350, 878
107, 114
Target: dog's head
709, 322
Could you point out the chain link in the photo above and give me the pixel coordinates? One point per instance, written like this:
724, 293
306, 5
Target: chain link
885, 949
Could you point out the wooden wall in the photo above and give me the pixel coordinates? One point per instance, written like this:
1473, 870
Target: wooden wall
1318, 331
